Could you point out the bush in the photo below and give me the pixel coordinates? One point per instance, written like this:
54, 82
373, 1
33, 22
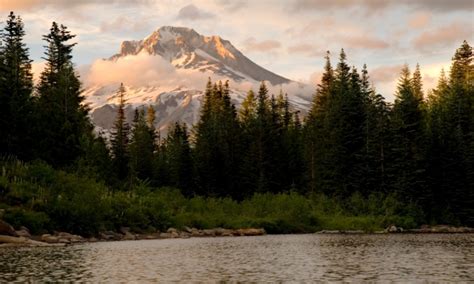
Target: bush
36, 222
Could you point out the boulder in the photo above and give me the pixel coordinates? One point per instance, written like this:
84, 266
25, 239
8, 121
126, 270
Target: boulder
64, 241
187, 229
23, 233
129, 236
209, 233
124, 230
165, 235
21, 241
391, 229
329, 232
184, 235
110, 236
7, 229
196, 233
252, 232
47, 238
172, 230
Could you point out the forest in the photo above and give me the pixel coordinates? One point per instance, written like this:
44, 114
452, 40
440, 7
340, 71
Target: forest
354, 161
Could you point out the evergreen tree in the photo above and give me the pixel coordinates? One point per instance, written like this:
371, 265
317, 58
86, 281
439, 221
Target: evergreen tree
179, 161
452, 141
142, 147
376, 136
315, 139
408, 142
217, 146
120, 140
16, 85
62, 116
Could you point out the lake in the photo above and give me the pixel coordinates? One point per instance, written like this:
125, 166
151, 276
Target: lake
403, 257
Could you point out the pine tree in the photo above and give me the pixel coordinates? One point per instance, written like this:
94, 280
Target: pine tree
16, 85
452, 141
64, 119
408, 144
314, 132
217, 145
120, 140
179, 160
376, 136
141, 148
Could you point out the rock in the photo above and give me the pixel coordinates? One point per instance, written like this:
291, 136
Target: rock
354, 232
172, 230
252, 232
391, 229
64, 241
329, 232
25, 228
209, 233
129, 236
110, 236
195, 232
187, 229
92, 240
21, 241
165, 235
124, 230
47, 238
7, 229
23, 233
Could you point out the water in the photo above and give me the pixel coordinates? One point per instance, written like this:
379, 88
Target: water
362, 258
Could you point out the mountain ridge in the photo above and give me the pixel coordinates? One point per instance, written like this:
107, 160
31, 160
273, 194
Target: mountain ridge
189, 54
185, 48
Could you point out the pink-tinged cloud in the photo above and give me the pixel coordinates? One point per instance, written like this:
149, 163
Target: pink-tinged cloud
444, 36
419, 20
252, 44
377, 5
385, 74
193, 13
306, 49
364, 41
28, 5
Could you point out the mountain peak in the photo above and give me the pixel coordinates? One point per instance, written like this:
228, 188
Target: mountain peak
186, 49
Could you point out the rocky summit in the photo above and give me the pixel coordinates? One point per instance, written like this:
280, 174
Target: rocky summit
189, 53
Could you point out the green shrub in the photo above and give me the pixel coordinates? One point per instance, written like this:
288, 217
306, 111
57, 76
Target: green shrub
36, 222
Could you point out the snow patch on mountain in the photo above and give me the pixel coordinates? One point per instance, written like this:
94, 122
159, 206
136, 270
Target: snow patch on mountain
168, 70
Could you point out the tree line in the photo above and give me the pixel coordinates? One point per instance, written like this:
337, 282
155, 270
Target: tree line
420, 148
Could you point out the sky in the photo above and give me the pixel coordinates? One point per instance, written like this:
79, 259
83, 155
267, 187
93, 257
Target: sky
288, 37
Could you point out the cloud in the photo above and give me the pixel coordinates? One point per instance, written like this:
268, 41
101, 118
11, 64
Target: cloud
232, 6
148, 70
123, 23
385, 74
306, 49
193, 13
443, 36
251, 44
419, 20
27, 5
442, 5
364, 41
378, 5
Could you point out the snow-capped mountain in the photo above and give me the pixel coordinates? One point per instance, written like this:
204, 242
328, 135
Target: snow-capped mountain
189, 53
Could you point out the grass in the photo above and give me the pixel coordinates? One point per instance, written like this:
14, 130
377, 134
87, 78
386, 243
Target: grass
43, 199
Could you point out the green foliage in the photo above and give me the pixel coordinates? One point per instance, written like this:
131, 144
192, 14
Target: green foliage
16, 86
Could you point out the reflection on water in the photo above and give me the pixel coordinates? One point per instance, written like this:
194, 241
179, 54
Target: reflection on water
269, 258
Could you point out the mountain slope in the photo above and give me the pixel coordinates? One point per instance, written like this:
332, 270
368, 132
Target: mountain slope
187, 49
190, 54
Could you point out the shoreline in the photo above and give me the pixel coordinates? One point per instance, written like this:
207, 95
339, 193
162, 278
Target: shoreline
24, 239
